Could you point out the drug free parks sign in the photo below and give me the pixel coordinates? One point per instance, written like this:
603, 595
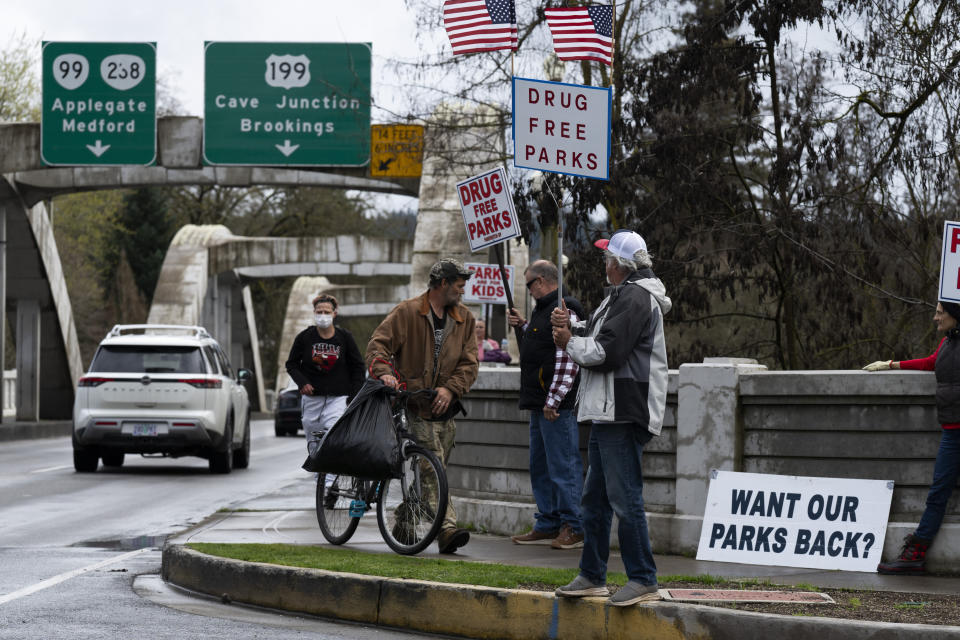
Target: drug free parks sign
561, 128
487, 209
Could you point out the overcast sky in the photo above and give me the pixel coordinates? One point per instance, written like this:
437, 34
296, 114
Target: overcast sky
180, 27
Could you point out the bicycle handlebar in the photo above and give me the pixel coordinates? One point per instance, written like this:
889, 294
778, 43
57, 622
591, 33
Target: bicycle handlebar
406, 395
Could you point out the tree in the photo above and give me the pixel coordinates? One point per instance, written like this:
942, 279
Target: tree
144, 234
19, 84
85, 226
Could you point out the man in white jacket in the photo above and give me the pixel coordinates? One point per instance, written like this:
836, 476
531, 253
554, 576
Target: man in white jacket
623, 392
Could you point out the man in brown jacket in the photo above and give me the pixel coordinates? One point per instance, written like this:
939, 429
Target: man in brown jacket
430, 340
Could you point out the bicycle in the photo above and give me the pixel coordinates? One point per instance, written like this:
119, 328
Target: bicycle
410, 508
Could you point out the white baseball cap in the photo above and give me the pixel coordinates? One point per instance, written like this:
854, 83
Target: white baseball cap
623, 243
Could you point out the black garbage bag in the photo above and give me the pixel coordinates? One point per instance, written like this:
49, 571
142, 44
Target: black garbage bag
363, 443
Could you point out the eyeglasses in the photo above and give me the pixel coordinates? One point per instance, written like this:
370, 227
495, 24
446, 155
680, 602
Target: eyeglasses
530, 282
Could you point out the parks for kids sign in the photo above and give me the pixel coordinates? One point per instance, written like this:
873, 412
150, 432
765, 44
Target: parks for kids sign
561, 128
487, 208
486, 284
950, 263
795, 521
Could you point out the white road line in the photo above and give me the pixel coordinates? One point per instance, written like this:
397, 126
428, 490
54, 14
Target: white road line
55, 580
57, 468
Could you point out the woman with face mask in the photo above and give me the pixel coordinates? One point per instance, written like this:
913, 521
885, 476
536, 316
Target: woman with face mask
325, 363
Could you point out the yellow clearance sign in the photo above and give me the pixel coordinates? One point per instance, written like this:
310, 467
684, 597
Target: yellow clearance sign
396, 150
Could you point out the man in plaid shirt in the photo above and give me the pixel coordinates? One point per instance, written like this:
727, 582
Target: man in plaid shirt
548, 380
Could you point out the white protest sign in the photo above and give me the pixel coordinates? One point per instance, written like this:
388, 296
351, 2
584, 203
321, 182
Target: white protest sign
487, 208
562, 128
950, 263
486, 284
795, 521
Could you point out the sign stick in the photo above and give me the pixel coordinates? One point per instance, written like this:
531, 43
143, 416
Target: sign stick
559, 258
559, 243
506, 285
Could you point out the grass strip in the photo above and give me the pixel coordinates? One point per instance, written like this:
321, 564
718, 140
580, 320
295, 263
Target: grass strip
395, 566
388, 565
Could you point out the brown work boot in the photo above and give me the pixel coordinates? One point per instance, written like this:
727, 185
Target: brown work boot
911, 560
452, 539
535, 537
567, 539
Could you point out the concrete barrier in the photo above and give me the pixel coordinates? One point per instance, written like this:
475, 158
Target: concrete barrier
730, 415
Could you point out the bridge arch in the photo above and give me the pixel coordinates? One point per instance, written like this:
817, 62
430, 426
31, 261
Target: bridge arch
31, 278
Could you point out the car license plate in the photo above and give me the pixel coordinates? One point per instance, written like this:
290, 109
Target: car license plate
145, 429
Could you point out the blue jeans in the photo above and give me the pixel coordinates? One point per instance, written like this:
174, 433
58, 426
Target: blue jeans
615, 485
556, 471
944, 480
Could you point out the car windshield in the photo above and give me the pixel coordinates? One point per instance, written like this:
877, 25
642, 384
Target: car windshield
147, 359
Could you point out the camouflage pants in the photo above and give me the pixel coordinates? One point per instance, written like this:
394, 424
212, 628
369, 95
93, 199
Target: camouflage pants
437, 437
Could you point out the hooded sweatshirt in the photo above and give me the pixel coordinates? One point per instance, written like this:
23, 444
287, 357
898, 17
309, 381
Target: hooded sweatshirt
623, 355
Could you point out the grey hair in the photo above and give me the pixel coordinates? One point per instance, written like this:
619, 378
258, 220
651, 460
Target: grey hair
544, 269
641, 260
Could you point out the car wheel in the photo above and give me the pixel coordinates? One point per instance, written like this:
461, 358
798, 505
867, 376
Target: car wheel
221, 460
85, 461
278, 429
241, 457
112, 459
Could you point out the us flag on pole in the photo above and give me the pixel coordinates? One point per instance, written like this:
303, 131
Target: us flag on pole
480, 25
582, 33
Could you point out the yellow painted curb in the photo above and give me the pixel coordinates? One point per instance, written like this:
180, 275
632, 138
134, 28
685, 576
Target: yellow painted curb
487, 612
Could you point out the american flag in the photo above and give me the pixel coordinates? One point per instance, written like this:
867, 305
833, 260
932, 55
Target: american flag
582, 33
480, 25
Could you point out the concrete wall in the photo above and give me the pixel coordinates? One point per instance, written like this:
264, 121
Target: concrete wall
728, 415
489, 469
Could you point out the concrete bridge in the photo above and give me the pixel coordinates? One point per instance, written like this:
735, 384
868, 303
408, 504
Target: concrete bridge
31, 276
209, 268
206, 273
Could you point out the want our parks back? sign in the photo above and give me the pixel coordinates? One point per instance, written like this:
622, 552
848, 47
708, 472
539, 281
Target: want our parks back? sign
795, 521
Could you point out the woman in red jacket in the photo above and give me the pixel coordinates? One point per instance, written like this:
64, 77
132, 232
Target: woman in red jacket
945, 361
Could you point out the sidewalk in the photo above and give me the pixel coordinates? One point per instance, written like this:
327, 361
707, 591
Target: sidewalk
288, 516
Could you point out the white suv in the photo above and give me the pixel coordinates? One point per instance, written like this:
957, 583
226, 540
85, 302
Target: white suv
161, 389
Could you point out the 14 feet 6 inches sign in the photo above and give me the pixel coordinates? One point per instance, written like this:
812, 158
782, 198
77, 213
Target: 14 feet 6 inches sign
99, 103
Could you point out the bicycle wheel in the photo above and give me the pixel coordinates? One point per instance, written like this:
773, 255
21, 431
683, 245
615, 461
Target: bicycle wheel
333, 507
410, 509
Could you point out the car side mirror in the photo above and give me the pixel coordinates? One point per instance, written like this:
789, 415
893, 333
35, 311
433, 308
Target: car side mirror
244, 374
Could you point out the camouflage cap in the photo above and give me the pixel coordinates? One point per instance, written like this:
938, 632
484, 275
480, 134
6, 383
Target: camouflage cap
449, 269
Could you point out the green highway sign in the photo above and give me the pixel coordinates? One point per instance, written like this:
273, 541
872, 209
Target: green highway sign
99, 103
286, 103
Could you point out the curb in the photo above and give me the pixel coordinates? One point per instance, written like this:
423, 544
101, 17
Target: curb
489, 612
